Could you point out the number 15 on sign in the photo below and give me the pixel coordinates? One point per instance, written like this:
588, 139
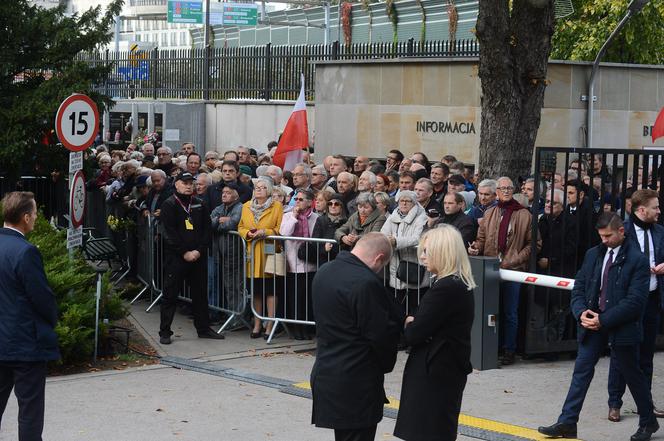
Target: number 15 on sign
77, 122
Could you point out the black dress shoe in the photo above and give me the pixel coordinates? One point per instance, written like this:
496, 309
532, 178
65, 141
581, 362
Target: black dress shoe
507, 358
165, 340
209, 333
644, 433
658, 412
256, 334
559, 430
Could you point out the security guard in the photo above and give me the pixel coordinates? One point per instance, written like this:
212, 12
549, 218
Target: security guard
187, 233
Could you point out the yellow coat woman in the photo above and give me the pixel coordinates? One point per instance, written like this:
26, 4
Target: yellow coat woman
269, 221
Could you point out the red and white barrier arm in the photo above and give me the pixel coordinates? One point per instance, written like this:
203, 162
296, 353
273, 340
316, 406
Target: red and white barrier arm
536, 279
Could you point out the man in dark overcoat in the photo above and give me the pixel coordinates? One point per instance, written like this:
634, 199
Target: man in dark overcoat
358, 327
28, 315
608, 301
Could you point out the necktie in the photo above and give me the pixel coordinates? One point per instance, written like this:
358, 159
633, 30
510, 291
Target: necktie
605, 282
646, 245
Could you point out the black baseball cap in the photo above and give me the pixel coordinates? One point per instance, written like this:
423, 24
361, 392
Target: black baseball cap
185, 176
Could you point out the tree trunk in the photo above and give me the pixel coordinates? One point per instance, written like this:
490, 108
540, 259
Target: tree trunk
514, 53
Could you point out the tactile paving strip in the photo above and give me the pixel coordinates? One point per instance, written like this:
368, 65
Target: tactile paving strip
470, 426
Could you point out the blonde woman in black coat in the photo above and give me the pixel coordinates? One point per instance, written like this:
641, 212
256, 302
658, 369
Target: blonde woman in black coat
439, 361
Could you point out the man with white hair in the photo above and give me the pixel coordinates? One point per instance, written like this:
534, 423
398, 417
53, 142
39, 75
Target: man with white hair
201, 184
367, 182
486, 196
148, 151
318, 177
160, 191
211, 159
277, 174
424, 191
165, 160
557, 229
507, 218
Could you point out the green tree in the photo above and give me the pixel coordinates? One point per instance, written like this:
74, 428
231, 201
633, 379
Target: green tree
581, 35
38, 70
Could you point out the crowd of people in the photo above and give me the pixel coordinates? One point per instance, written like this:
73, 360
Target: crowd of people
343, 198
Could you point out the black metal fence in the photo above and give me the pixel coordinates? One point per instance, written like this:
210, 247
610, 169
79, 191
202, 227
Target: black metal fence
605, 179
251, 72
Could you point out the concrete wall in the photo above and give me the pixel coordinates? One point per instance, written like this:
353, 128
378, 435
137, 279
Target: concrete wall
251, 124
414, 105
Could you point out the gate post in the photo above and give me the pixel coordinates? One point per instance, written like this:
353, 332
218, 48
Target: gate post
484, 335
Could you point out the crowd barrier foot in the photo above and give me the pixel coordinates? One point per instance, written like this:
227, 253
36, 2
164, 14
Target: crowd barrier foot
154, 303
138, 296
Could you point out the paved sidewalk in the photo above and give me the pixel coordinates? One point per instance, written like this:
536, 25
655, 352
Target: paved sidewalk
163, 403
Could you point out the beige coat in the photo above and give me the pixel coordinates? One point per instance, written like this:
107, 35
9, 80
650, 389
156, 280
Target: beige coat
519, 238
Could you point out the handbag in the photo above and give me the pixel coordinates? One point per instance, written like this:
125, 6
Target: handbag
275, 264
410, 272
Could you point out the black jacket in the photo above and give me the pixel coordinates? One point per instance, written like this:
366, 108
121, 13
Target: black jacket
177, 238
463, 223
212, 196
439, 360
161, 197
586, 235
559, 236
324, 229
627, 295
358, 326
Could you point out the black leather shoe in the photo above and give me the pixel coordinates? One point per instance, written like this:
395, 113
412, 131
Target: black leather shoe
209, 333
643, 433
165, 340
507, 358
658, 412
559, 430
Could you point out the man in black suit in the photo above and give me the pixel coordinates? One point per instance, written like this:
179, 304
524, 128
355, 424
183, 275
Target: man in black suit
609, 296
648, 235
358, 327
28, 315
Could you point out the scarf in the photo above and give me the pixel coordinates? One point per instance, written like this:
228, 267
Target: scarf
509, 207
638, 222
401, 215
334, 218
302, 225
258, 209
362, 219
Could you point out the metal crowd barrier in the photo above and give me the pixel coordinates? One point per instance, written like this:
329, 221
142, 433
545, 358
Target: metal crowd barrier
226, 262
148, 256
284, 289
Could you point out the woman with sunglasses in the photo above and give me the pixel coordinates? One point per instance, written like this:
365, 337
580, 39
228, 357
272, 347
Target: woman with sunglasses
327, 223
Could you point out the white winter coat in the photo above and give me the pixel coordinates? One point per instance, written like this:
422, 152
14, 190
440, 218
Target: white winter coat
288, 222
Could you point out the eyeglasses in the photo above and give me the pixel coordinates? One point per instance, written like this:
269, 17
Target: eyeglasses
315, 174
506, 189
300, 199
406, 201
334, 204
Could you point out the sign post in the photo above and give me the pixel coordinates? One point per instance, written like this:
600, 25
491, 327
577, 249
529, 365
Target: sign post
76, 124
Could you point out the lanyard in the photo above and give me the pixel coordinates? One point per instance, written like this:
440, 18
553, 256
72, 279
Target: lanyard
187, 209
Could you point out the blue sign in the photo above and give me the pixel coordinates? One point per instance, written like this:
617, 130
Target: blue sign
135, 73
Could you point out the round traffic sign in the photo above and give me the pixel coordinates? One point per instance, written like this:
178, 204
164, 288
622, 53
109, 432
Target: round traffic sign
77, 199
77, 122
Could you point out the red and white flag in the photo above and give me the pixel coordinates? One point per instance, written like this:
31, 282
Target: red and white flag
658, 128
295, 136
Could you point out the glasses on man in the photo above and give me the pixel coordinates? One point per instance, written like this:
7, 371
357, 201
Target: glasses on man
300, 199
334, 204
506, 189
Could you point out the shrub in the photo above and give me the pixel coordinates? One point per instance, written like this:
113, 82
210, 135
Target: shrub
74, 284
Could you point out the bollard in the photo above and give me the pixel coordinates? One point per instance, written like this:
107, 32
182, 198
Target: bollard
484, 335
100, 273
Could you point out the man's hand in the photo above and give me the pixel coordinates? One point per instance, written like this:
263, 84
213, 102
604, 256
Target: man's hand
543, 263
328, 247
473, 250
590, 320
347, 240
658, 270
157, 213
192, 256
224, 219
408, 320
432, 221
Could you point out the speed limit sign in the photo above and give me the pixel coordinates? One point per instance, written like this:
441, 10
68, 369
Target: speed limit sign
77, 199
77, 122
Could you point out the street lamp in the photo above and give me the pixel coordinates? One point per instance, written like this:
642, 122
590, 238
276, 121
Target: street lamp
632, 9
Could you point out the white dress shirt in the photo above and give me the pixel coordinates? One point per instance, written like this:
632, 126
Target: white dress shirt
639, 236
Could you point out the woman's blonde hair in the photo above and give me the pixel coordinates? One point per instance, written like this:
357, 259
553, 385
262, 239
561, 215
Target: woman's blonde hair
446, 254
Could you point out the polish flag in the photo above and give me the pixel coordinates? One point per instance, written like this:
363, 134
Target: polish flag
658, 128
295, 137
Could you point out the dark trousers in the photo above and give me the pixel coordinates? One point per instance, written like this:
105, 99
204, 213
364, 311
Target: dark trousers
176, 273
367, 434
509, 300
589, 352
646, 353
28, 380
